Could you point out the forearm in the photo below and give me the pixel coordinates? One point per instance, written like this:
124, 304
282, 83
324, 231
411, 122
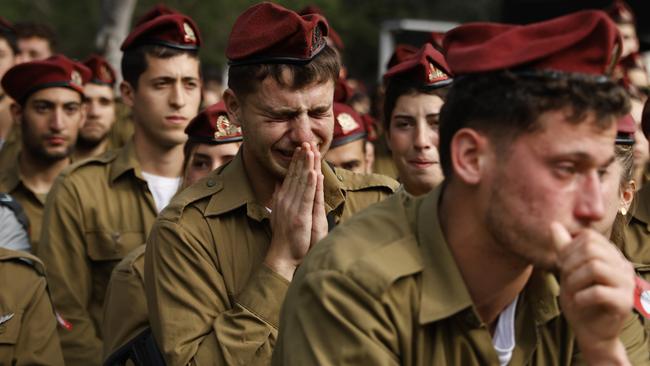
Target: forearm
610, 352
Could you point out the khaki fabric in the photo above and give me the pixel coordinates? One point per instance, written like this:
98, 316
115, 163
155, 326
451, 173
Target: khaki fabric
384, 289
97, 212
28, 333
125, 306
10, 148
384, 160
122, 130
636, 241
211, 299
33, 204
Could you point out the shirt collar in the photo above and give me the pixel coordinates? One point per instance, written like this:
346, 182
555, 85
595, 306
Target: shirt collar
125, 161
236, 190
444, 292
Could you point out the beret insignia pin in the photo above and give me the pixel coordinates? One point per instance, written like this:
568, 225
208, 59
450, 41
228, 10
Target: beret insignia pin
347, 123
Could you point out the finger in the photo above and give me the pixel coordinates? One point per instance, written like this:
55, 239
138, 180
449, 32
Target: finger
616, 299
319, 196
292, 181
317, 158
309, 190
586, 247
593, 272
561, 236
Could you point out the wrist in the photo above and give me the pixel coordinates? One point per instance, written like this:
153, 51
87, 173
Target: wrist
284, 268
608, 352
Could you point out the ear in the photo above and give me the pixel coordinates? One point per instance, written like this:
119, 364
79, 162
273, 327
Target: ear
16, 113
627, 195
233, 106
128, 93
470, 152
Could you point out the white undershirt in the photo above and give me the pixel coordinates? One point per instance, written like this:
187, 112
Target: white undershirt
162, 188
504, 334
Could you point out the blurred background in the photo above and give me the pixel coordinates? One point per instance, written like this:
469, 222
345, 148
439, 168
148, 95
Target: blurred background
80, 25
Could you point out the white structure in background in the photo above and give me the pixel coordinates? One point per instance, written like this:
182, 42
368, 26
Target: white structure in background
390, 27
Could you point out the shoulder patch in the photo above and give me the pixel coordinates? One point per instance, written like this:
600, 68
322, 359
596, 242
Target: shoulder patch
355, 181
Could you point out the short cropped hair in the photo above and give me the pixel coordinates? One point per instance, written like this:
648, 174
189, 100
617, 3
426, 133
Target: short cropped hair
134, 60
244, 79
504, 105
38, 30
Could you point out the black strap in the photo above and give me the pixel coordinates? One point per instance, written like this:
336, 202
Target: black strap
8, 201
141, 350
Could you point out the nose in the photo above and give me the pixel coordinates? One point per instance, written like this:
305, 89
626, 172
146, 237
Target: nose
424, 137
589, 205
91, 109
301, 130
57, 119
177, 96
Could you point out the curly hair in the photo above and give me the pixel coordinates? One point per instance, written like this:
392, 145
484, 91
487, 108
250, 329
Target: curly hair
504, 105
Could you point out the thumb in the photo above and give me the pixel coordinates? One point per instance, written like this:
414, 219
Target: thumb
561, 236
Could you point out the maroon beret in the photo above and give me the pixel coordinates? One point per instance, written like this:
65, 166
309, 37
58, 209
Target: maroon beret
212, 126
348, 125
585, 42
269, 33
645, 119
626, 128
155, 11
401, 53
342, 90
435, 38
620, 12
427, 67
333, 35
56, 71
102, 72
172, 30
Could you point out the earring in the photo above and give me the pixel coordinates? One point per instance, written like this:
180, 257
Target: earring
623, 211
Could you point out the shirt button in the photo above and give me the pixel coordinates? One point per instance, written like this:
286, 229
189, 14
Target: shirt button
210, 183
340, 178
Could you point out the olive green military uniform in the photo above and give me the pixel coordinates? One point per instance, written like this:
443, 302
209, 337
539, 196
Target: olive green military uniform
384, 289
97, 212
211, 299
27, 323
122, 130
636, 242
10, 149
125, 307
33, 203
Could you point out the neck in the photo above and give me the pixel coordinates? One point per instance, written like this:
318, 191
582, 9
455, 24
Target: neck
494, 277
156, 159
38, 174
261, 180
83, 151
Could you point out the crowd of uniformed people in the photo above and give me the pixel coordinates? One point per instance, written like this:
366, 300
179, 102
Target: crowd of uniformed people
487, 207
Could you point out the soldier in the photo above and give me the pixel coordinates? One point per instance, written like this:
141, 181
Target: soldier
36, 41
499, 264
14, 232
100, 116
211, 141
103, 208
415, 92
220, 257
27, 322
348, 148
49, 111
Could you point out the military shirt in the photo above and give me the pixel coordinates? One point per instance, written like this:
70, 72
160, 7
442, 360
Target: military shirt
384, 289
32, 203
97, 212
125, 307
27, 323
211, 299
636, 238
10, 148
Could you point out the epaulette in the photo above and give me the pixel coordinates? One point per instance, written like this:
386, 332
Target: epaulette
203, 188
351, 181
23, 258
